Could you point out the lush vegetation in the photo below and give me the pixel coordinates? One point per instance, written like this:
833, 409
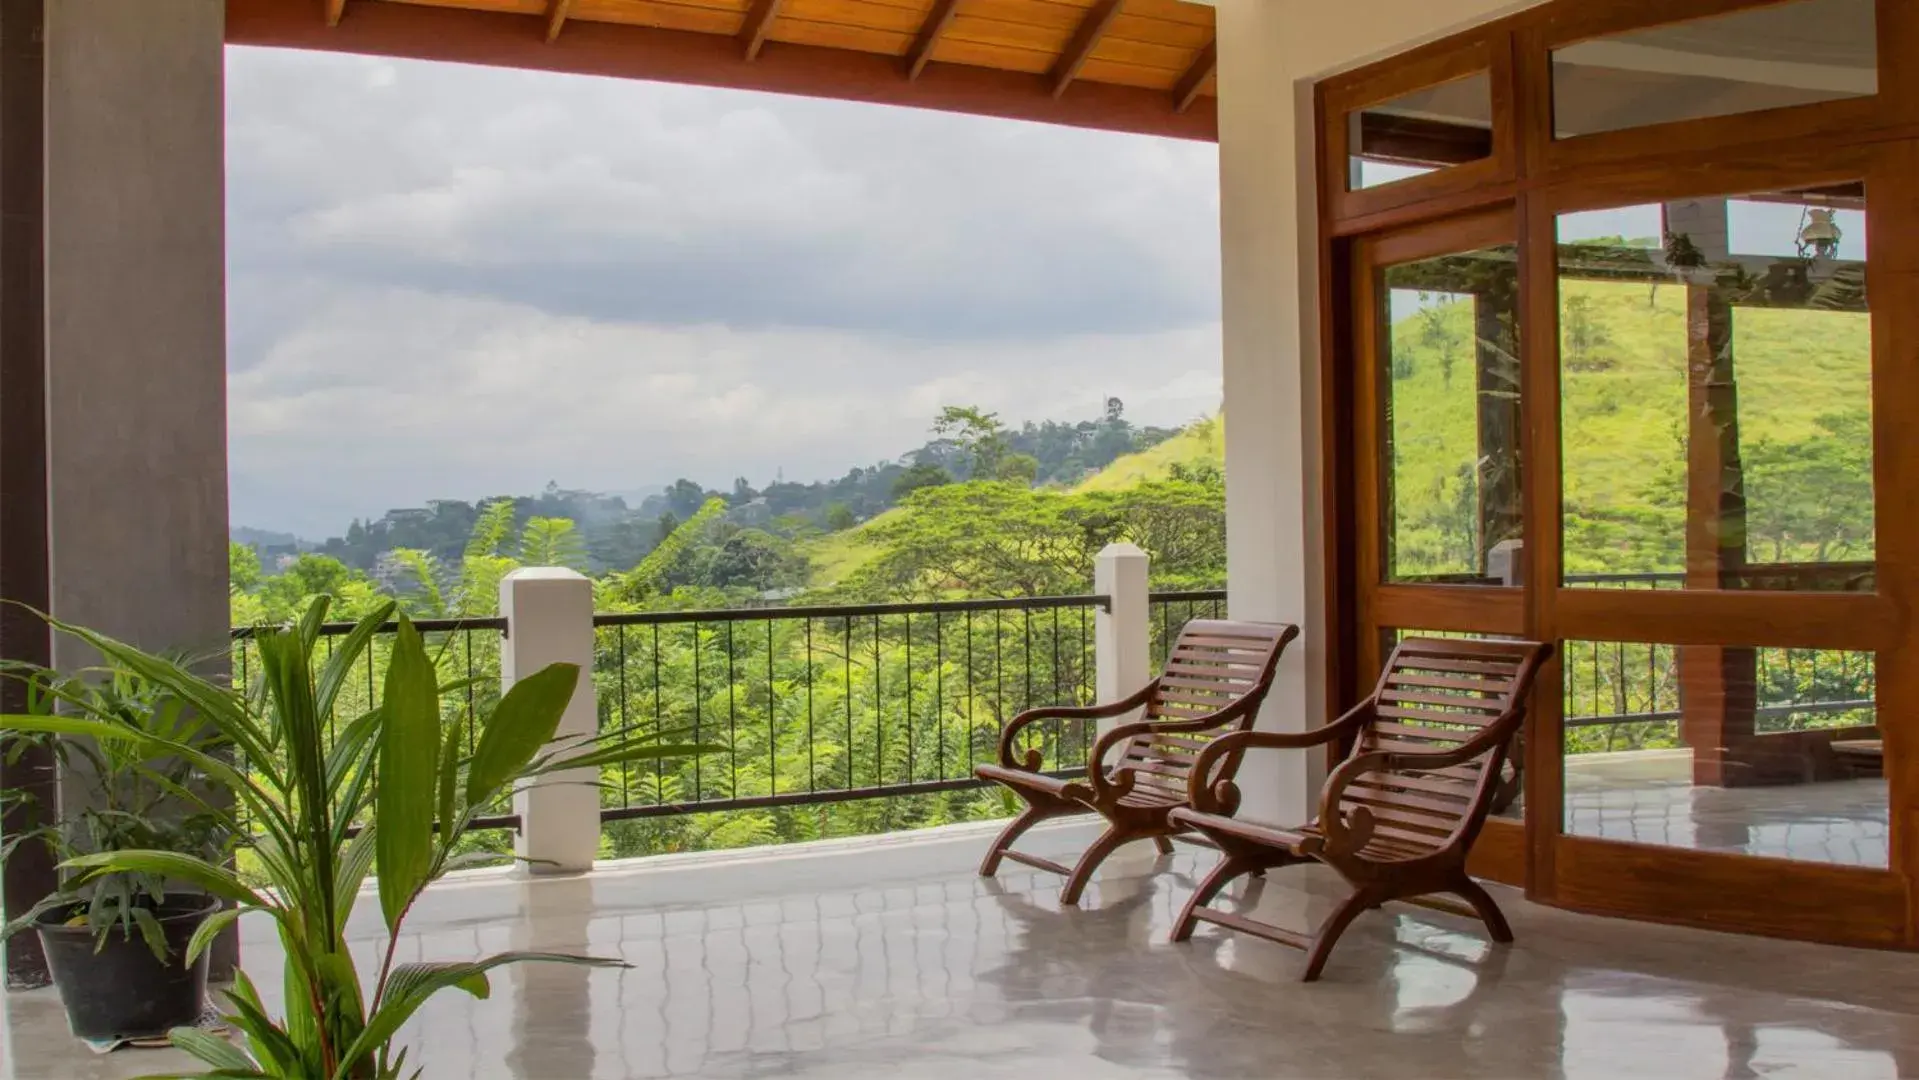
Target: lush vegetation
823, 704
985, 511
316, 822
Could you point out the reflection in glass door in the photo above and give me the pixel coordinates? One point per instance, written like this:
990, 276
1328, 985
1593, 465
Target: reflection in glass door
1716, 432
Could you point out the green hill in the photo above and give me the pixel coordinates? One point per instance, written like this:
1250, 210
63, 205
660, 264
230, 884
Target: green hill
1201, 445
1803, 382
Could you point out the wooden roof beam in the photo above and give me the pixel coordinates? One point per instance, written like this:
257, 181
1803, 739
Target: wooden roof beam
556, 13
335, 9
936, 23
759, 24
1186, 91
1099, 19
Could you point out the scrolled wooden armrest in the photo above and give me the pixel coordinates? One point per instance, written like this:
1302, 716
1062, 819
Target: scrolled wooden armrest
1207, 796
1352, 834
1033, 757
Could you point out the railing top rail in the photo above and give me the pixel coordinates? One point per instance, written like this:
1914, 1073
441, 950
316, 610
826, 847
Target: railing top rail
424, 626
1181, 595
845, 611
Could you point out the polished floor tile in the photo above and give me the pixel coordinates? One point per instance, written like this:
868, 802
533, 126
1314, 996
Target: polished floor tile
889, 959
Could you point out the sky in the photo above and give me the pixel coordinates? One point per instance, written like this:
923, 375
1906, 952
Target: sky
453, 282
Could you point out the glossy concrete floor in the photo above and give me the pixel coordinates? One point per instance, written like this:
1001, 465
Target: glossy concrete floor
889, 958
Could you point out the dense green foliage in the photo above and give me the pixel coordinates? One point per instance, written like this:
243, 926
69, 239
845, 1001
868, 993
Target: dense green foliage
316, 822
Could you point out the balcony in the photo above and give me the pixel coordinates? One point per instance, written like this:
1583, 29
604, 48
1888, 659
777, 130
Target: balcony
889, 956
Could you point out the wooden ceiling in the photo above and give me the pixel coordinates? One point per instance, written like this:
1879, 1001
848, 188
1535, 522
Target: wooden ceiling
1130, 65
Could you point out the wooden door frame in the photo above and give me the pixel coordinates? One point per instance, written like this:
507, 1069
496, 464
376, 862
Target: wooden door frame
1540, 178
1377, 605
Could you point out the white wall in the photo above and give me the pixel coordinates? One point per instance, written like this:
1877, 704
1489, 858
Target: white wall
1271, 52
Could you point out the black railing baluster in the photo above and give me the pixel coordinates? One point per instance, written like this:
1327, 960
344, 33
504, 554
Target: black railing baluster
812, 775
972, 722
939, 689
732, 722
659, 729
910, 777
848, 656
626, 770
1059, 746
699, 708
772, 716
879, 713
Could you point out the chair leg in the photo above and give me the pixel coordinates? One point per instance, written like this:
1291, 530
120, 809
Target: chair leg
1164, 844
1029, 817
1108, 842
1229, 867
1489, 913
1329, 931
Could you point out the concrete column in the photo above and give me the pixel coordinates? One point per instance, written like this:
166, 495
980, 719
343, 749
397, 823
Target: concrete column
1274, 560
136, 321
1122, 635
549, 620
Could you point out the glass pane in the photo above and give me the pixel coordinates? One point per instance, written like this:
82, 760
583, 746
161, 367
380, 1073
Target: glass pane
1449, 379
1770, 752
1765, 58
1716, 394
1422, 131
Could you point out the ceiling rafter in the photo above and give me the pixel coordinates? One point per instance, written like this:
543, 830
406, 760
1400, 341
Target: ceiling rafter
759, 23
1186, 91
1098, 20
335, 9
929, 37
556, 13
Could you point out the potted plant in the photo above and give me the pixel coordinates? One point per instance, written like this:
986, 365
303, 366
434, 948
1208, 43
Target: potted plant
116, 943
318, 824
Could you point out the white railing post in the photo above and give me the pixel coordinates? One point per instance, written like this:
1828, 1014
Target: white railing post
549, 620
1122, 641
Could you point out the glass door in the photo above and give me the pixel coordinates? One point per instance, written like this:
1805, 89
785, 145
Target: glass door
1718, 605
1439, 530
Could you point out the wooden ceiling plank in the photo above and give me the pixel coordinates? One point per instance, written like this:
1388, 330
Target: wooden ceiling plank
937, 22
556, 18
1190, 83
1099, 18
759, 24
334, 10
615, 49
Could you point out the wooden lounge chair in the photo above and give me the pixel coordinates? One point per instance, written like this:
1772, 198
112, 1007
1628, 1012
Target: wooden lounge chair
1216, 676
1399, 814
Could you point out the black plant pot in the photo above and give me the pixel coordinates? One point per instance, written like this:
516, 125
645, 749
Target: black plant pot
123, 991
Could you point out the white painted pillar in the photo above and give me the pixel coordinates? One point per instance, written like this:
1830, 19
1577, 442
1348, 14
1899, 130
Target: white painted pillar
549, 620
1274, 554
1122, 635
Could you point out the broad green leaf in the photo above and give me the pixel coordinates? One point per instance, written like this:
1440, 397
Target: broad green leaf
409, 758
216, 880
522, 723
270, 1045
616, 755
150, 931
213, 1050
346, 653
354, 867
449, 782
203, 936
411, 985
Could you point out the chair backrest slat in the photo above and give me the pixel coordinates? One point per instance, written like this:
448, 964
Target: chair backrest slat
1213, 665
1434, 697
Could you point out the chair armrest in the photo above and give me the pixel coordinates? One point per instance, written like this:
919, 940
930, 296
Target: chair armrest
1063, 712
1353, 835
1222, 797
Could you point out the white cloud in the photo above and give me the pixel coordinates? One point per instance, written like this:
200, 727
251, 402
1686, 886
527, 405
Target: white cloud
450, 282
